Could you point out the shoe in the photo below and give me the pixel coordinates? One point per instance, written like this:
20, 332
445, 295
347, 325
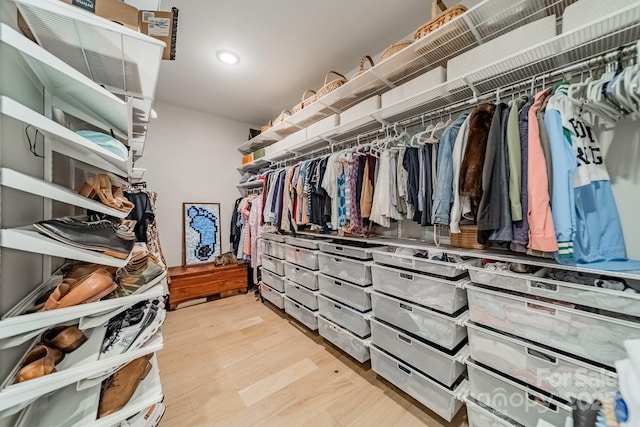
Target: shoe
64, 338
148, 418
86, 289
119, 196
131, 336
100, 236
88, 189
119, 389
40, 361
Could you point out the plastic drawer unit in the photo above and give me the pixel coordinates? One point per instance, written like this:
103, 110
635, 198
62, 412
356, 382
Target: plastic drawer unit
545, 369
301, 242
514, 400
343, 339
355, 296
274, 297
442, 367
344, 316
273, 280
440, 399
300, 313
440, 329
433, 292
301, 295
303, 257
347, 269
540, 284
360, 252
273, 237
480, 416
273, 249
274, 265
592, 336
423, 265
301, 276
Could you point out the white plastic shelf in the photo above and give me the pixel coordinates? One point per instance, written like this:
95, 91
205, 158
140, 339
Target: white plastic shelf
69, 85
65, 141
27, 239
254, 166
28, 184
137, 174
108, 53
17, 328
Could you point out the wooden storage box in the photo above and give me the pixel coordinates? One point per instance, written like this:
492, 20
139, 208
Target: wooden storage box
193, 282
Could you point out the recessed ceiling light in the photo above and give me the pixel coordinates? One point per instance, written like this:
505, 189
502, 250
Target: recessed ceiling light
227, 57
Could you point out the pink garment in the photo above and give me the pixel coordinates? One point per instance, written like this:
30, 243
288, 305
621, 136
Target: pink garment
244, 210
542, 235
255, 233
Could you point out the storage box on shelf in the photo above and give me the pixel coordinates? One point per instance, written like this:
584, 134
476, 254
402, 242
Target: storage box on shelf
301, 295
274, 265
355, 250
351, 344
300, 313
274, 281
390, 256
482, 416
301, 257
272, 295
345, 316
302, 276
273, 249
348, 269
353, 295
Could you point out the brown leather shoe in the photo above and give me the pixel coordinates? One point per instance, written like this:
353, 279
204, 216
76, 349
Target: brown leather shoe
87, 289
65, 338
40, 361
122, 385
79, 270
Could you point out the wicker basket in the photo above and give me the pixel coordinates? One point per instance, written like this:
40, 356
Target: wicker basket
467, 238
439, 17
266, 127
332, 85
362, 63
394, 48
282, 117
305, 102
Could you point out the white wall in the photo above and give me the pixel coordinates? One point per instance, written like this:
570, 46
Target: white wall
191, 157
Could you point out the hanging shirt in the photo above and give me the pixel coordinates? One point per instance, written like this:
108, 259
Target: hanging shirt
521, 228
330, 185
515, 161
461, 204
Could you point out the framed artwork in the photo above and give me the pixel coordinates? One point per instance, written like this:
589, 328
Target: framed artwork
201, 233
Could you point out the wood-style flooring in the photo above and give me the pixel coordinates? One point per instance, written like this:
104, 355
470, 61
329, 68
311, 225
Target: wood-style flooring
238, 362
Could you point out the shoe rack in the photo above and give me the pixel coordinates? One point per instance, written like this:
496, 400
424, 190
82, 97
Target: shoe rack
103, 75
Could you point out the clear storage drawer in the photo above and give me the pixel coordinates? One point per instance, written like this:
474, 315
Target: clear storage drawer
274, 297
303, 257
440, 294
301, 276
361, 252
592, 336
440, 329
516, 401
344, 316
540, 284
301, 295
274, 265
424, 265
438, 365
347, 269
273, 249
301, 242
345, 340
545, 369
273, 237
355, 296
483, 417
434, 396
300, 313
273, 280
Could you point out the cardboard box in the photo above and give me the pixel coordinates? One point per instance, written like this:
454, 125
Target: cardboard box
161, 26
22, 24
114, 10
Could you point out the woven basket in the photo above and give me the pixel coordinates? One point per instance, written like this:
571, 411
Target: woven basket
266, 127
332, 85
439, 17
394, 48
282, 117
362, 64
305, 102
467, 238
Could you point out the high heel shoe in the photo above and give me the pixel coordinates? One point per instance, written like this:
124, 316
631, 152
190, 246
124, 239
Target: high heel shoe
40, 361
64, 338
120, 197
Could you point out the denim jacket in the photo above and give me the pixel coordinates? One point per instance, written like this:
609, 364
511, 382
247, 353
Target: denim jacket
443, 195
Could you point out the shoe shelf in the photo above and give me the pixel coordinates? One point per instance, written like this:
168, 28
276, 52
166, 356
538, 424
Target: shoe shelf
17, 328
68, 86
28, 184
54, 409
65, 141
27, 239
480, 24
567, 49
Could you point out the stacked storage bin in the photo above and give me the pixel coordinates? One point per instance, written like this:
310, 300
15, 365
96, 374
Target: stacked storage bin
301, 283
418, 333
272, 284
549, 341
344, 301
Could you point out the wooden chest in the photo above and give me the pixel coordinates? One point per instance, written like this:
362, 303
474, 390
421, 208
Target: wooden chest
193, 282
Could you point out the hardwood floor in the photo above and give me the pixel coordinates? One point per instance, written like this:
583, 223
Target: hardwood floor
238, 362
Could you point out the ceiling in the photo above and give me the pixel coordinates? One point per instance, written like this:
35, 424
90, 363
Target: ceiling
285, 47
